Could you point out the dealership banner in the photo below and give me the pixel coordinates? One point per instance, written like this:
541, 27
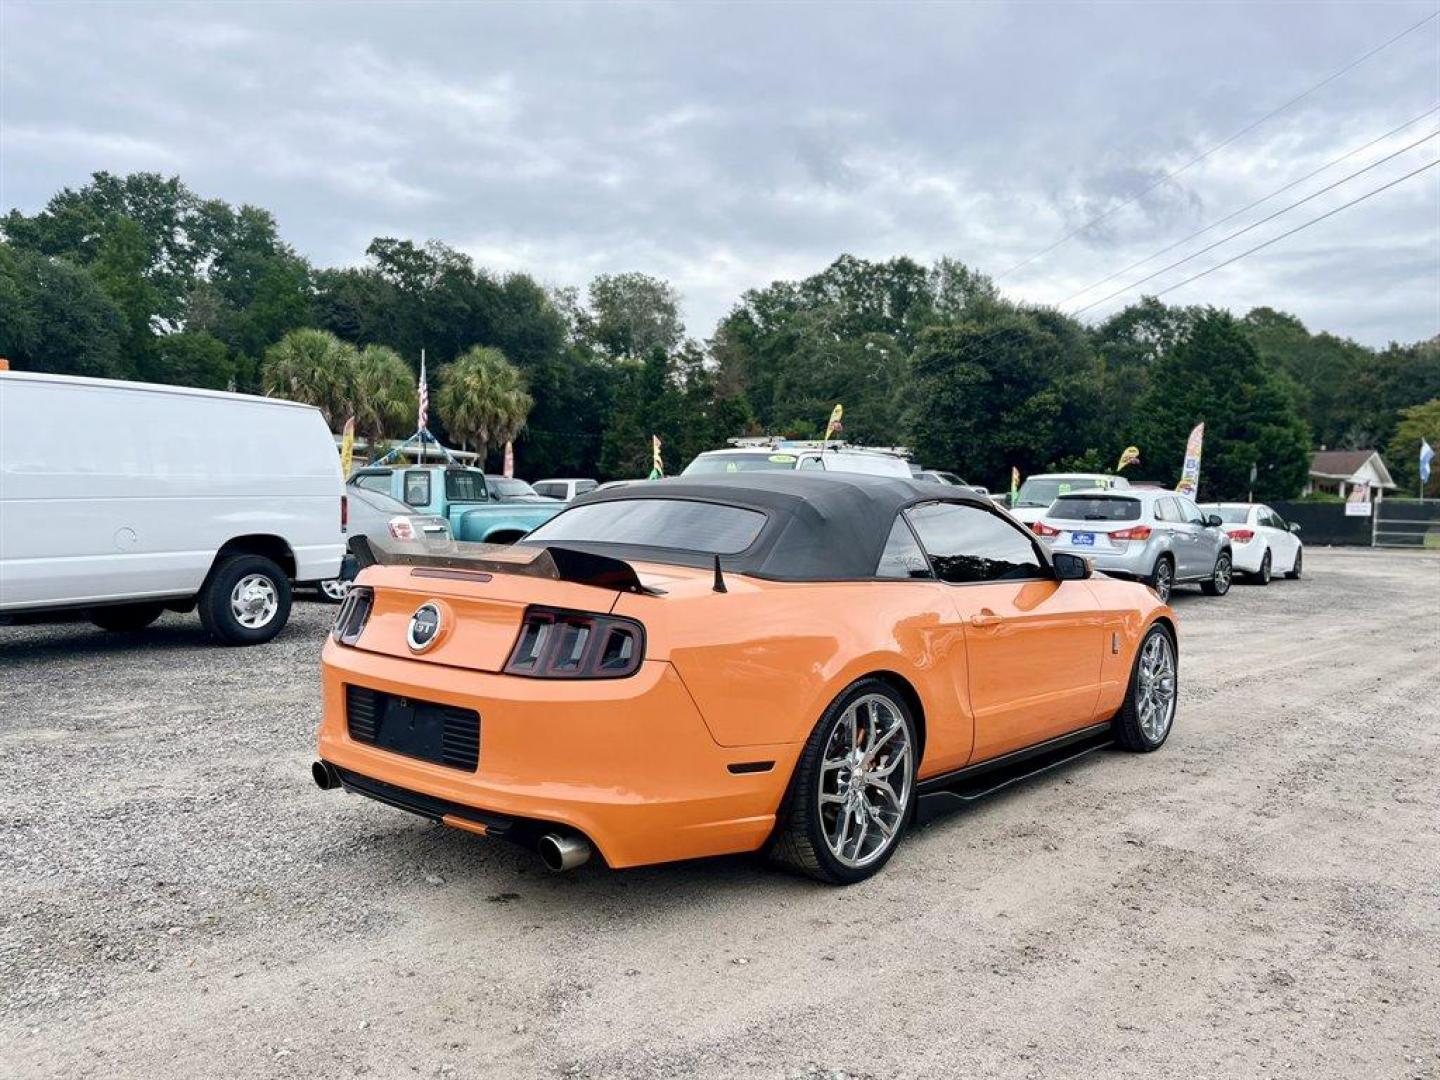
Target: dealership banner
347, 447
837, 415
1190, 475
509, 458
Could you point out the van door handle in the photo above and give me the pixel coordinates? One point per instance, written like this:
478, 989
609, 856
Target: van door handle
986, 618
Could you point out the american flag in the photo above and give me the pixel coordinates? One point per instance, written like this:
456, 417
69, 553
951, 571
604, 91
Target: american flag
424, 394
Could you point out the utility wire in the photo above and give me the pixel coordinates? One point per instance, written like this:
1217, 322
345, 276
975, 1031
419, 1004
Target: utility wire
1256, 224
1298, 228
1265, 198
1219, 146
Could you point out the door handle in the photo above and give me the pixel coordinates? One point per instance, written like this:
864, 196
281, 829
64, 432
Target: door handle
986, 618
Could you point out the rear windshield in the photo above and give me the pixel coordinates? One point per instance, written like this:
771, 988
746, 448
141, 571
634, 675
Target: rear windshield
1094, 508
383, 503
673, 524
464, 487
508, 487
1231, 515
729, 463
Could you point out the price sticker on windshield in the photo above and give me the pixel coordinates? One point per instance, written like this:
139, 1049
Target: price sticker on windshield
783, 459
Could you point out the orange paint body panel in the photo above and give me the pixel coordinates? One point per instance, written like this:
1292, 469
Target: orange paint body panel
641, 765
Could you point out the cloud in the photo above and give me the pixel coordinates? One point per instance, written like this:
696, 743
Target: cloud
725, 146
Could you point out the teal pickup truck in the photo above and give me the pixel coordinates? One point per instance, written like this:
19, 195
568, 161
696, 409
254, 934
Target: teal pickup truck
462, 497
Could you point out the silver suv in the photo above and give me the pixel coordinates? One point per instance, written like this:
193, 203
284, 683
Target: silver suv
1154, 536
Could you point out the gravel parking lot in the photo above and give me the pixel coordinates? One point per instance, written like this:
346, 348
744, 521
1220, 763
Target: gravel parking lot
1261, 898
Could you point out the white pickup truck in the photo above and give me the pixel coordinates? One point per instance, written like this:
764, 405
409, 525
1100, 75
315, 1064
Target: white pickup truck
120, 500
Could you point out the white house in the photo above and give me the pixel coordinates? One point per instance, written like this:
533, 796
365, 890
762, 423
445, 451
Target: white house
1336, 472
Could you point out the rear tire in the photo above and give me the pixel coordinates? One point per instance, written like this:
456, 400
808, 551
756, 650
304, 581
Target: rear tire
246, 601
1294, 572
126, 618
1162, 578
1263, 575
332, 590
1154, 683
1220, 578
856, 773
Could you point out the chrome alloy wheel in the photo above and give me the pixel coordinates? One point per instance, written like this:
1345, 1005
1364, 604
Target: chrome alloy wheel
1224, 571
254, 601
1164, 581
1155, 687
335, 588
865, 778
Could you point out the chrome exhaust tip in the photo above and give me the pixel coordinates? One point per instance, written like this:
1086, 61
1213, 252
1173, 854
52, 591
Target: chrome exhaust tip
325, 776
561, 853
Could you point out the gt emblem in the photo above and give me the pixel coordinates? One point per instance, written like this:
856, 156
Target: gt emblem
424, 627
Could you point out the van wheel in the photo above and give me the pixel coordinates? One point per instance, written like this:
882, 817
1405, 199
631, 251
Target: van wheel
126, 618
246, 601
853, 792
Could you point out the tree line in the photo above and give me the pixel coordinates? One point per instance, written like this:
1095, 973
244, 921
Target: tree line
139, 277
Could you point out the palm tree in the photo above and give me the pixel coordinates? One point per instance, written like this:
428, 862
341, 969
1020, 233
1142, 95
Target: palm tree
483, 399
313, 367
382, 394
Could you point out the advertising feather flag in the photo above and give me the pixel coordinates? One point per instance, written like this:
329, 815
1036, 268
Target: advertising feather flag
347, 447
1190, 474
1131, 456
834, 426
657, 466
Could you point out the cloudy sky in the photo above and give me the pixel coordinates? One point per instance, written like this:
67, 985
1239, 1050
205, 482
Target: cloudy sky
722, 146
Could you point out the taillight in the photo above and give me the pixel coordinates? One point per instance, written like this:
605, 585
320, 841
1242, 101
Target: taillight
354, 613
1139, 532
401, 528
1041, 529
1241, 536
344, 512
558, 644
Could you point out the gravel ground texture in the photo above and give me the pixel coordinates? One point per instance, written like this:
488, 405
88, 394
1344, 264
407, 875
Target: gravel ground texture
1261, 898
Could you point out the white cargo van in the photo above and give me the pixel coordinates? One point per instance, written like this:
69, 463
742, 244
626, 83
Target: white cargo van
119, 500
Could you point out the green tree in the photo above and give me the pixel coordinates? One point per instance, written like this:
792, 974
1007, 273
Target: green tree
314, 367
1215, 375
1403, 455
483, 399
55, 318
631, 315
119, 268
1014, 390
382, 394
191, 358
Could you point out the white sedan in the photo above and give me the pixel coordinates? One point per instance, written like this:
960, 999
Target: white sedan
1261, 542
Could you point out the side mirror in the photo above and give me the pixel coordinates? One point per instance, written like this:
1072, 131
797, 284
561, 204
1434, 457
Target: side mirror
1294, 526
1214, 521
1071, 567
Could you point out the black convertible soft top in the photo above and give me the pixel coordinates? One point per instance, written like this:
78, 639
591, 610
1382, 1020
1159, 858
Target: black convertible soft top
819, 526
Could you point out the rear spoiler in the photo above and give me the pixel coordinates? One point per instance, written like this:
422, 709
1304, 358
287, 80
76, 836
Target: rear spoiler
552, 563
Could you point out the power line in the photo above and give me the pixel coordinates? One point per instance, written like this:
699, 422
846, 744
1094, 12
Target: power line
1220, 145
1265, 198
1255, 225
1298, 228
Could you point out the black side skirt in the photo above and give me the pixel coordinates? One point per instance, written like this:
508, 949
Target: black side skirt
939, 794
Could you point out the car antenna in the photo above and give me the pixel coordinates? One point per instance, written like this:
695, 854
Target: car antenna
719, 577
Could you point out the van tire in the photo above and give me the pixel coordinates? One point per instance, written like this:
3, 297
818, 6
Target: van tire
126, 618
264, 581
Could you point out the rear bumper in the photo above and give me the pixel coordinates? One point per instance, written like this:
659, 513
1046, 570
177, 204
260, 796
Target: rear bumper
1136, 562
628, 763
1248, 557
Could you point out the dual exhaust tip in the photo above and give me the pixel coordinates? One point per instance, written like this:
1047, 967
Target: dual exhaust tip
557, 851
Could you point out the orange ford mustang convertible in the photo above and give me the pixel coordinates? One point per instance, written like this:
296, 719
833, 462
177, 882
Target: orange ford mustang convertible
789, 662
